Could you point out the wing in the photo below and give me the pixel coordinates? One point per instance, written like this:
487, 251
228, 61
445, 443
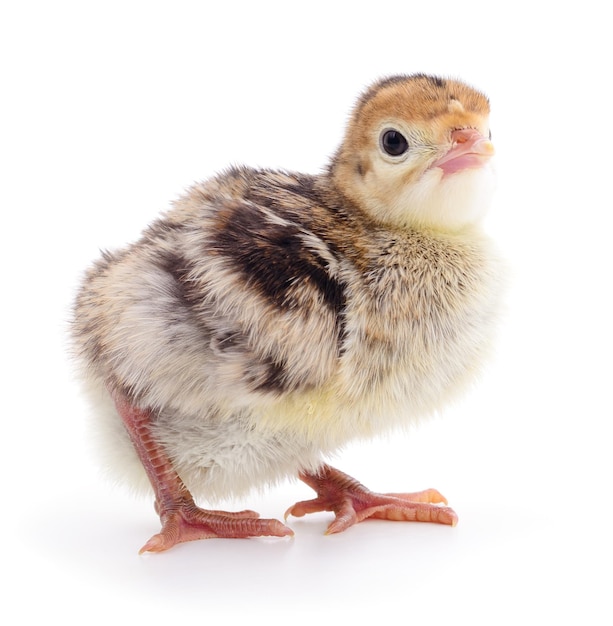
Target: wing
271, 292
224, 301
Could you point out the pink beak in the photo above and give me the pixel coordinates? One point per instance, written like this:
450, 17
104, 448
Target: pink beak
470, 150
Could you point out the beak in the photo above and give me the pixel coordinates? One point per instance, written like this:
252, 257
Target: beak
469, 150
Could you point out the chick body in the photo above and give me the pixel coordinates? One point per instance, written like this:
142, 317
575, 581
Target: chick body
270, 317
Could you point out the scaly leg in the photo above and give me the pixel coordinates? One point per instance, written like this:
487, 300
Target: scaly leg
181, 519
351, 502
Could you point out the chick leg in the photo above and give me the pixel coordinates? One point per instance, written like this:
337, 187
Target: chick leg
181, 519
351, 502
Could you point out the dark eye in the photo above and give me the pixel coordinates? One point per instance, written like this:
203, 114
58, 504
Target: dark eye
394, 143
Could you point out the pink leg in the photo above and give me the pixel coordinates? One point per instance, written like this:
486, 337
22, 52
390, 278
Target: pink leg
351, 502
181, 519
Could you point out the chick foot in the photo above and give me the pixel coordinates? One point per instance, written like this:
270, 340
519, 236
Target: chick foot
187, 522
181, 519
351, 502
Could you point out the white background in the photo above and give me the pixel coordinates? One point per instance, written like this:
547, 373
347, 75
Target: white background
109, 110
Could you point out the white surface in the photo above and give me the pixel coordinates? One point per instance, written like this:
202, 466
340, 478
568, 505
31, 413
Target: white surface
110, 109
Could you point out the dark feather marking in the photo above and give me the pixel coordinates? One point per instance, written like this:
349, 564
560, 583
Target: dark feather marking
330, 226
274, 258
179, 268
274, 379
436, 81
187, 308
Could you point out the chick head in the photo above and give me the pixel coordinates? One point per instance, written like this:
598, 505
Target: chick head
417, 153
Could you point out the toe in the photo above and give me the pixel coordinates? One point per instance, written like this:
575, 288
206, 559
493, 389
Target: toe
427, 495
346, 516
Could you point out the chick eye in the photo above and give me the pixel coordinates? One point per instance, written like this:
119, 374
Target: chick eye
394, 143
